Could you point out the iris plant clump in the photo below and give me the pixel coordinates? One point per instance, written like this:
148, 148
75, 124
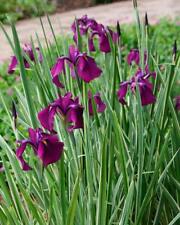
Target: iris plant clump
103, 131
84, 67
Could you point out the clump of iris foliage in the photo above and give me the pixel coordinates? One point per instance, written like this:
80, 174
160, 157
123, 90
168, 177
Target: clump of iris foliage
96, 131
18, 9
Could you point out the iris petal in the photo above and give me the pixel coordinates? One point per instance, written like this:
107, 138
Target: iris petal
57, 69
12, 65
46, 117
19, 154
91, 44
50, 151
146, 93
100, 105
104, 45
87, 68
75, 117
122, 92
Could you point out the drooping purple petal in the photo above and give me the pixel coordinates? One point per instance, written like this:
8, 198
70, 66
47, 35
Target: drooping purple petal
101, 32
75, 117
114, 35
46, 117
122, 92
24, 164
134, 56
29, 51
104, 45
57, 69
100, 105
146, 93
87, 68
19, 154
50, 150
33, 135
91, 44
12, 65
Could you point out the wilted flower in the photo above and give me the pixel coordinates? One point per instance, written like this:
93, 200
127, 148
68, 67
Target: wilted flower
177, 102
27, 49
47, 147
70, 111
134, 56
85, 66
91, 28
140, 79
100, 105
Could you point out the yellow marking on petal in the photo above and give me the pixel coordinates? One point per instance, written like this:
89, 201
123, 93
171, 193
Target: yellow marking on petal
45, 142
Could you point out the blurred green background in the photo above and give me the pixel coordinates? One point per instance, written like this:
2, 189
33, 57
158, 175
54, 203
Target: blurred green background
18, 9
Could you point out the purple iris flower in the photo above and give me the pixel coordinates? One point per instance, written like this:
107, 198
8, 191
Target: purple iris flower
47, 147
91, 28
84, 23
69, 110
145, 87
100, 105
27, 49
134, 56
84, 65
177, 102
102, 33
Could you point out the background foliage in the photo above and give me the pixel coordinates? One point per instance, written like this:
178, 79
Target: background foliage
18, 9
